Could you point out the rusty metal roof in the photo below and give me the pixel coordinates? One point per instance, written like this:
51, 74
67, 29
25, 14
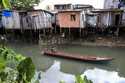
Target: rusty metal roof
69, 10
106, 10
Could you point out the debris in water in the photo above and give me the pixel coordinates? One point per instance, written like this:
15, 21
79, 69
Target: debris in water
103, 76
54, 75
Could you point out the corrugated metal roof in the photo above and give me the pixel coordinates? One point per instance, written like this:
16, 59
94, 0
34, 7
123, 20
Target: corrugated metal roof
106, 10
61, 11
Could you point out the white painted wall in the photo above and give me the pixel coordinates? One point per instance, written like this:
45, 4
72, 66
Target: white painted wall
98, 4
50, 3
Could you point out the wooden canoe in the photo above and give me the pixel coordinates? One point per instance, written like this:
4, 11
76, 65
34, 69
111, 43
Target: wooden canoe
76, 56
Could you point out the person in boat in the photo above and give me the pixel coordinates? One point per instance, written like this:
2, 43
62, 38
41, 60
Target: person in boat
63, 35
53, 49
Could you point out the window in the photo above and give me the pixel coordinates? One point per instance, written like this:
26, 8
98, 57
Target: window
73, 17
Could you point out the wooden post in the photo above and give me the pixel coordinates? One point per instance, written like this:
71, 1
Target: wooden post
39, 37
51, 30
44, 32
55, 24
69, 33
80, 32
60, 30
118, 26
55, 29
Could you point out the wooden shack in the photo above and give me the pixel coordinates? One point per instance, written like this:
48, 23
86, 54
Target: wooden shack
74, 18
91, 20
108, 20
26, 23
69, 18
108, 17
36, 19
26, 19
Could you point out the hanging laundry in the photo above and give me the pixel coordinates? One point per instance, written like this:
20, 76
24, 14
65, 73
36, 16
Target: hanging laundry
7, 22
10, 20
106, 20
49, 21
6, 13
91, 20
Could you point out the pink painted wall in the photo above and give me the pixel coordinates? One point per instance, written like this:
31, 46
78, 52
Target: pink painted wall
64, 19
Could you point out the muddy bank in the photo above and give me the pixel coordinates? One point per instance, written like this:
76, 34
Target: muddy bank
102, 44
100, 41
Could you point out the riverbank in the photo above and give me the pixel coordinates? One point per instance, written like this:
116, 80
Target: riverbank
103, 42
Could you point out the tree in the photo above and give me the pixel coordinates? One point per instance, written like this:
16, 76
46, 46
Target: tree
24, 4
26, 70
5, 4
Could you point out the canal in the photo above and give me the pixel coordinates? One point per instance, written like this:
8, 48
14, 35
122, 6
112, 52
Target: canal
43, 62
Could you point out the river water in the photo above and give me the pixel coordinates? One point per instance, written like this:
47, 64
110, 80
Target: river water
43, 62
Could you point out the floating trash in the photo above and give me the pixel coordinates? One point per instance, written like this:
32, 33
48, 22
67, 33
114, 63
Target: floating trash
54, 75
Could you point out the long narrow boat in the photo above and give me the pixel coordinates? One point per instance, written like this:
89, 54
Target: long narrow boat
76, 56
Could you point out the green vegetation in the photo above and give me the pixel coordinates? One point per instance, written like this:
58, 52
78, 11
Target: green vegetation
2, 64
26, 74
15, 68
18, 4
82, 79
5, 4
24, 4
61, 81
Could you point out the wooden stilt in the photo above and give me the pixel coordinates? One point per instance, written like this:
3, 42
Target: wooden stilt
51, 31
60, 30
55, 29
69, 33
118, 26
13, 34
44, 32
55, 24
80, 32
39, 36
117, 32
31, 36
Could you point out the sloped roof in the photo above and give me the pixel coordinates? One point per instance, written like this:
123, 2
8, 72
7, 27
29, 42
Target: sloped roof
106, 10
62, 11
